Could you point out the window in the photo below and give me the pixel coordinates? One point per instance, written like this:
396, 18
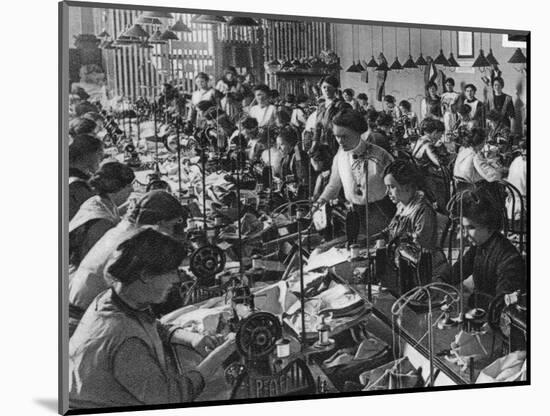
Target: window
465, 42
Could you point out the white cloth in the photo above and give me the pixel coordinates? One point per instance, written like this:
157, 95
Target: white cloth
202, 95
473, 167
265, 116
348, 177
517, 174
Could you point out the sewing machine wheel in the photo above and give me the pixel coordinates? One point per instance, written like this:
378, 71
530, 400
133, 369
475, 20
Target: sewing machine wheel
257, 334
207, 261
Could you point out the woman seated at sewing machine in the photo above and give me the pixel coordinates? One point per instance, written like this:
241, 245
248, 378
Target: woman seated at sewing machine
423, 149
492, 260
85, 154
248, 129
117, 354
113, 185
294, 165
471, 166
321, 162
415, 219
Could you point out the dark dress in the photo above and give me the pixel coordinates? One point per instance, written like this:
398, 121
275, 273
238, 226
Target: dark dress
496, 266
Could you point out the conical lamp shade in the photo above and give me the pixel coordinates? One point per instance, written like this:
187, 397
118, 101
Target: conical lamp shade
136, 31
409, 63
518, 57
157, 38
372, 63
383, 65
352, 68
179, 26
481, 61
421, 61
396, 66
441, 60
103, 34
360, 67
169, 35
158, 14
452, 61
491, 58
207, 19
144, 20
286, 64
242, 21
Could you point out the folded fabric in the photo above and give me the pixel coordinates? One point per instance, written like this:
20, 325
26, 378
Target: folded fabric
399, 374
511, 367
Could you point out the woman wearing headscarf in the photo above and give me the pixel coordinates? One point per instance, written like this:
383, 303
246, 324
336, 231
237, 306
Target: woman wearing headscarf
113, 185
117, 353
156, 209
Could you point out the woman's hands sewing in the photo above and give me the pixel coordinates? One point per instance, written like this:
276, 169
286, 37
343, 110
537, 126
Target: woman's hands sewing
203, 344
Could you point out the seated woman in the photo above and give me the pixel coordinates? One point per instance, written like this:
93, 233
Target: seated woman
423, 149
321, 161
85, 154
156, 209
116, 355
295, 161
470, 164
415, 217
113, 185
493, 261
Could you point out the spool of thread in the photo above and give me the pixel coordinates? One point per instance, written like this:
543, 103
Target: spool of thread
354, 251
300, 213
323, 331
283, 348
380, 244
255, 262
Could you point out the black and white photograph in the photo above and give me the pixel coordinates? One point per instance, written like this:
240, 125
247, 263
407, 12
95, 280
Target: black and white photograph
263, 208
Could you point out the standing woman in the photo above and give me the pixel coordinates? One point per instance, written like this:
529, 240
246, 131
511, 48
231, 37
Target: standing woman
231, 93
501, 102
325, 113
113, 185
263, 111
431, 104
295, 161
203, 93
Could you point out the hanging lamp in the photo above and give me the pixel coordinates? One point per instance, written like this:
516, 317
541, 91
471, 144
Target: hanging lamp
409, 63
208, 19
490, 57
382, 61
420, 62
481, 61
441, 60
372, 63
181, 27
396, 65
453, 64
242, 21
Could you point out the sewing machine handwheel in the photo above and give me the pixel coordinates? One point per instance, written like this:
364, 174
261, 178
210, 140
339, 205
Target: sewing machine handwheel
207, 261
257, 334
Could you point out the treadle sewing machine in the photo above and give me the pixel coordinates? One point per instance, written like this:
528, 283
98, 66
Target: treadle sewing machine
266, 366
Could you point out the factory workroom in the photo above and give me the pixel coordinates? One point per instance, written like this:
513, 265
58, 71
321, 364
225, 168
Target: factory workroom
237, 233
